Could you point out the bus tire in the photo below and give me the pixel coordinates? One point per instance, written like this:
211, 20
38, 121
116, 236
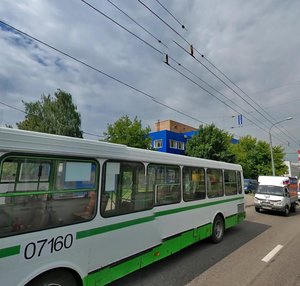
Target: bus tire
218, 229
57, 277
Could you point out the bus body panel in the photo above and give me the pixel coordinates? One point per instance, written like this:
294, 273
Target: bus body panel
103, 249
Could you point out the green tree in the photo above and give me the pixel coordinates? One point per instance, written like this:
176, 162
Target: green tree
55, 115
255, 158
211, 142
127, 132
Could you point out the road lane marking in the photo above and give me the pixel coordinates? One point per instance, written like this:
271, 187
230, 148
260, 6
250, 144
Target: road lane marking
272, 253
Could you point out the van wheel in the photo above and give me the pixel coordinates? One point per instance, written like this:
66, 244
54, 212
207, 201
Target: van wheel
293, 208
287, 211
218, 229
257, 209
54, 278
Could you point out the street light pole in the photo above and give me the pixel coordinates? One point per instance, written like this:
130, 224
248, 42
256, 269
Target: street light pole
271, 147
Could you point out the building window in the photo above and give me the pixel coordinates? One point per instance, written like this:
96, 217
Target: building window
173, 144
180, 145
157, 143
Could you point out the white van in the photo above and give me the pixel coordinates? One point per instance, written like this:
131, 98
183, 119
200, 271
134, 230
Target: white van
275, 193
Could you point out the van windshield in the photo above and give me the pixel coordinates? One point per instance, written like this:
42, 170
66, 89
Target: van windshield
271, 190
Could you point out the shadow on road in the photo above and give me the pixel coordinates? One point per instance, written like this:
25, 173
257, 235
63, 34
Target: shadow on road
180, 268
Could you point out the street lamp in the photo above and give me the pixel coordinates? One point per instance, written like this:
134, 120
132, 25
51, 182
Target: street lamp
271, 148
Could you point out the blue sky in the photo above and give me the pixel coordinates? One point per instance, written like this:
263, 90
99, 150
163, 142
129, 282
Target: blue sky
254, 43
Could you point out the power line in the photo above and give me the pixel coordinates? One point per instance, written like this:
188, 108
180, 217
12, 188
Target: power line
111, 77
182, 25
211, 94
193, 48
121, 26
259, 106
115, 22
163, 21
214, 67
195, 75
142, 27
10, 106
219, 99
23, 111
230, 88
103, 73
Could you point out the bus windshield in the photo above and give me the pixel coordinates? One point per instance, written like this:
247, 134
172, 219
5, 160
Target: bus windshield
271, 190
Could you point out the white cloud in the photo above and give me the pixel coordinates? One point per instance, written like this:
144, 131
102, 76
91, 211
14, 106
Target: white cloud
255, 43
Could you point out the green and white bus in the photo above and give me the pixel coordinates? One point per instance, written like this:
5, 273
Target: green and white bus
78, 212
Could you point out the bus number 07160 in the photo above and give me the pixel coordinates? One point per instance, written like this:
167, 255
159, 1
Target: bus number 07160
55, 244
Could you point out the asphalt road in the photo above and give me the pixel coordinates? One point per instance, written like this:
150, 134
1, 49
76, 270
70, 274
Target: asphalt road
256, 262
237, 260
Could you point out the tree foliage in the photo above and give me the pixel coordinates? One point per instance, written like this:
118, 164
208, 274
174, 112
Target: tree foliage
255, 157
55, 115
212, 143
127, 132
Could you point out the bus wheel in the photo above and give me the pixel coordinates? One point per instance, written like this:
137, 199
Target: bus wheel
54, 278
218, 229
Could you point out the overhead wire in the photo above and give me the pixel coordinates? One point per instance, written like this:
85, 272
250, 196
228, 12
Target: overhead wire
10, 106
118, 24
160, 18
137, 23
210, 86
95, 69
148, 8
23, 111
210, 93
101, 72
182, 25
259, 106
162, 53
221, 80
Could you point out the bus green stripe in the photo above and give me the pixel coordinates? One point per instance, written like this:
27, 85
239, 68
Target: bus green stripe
172, 211
108, 228
49, 192
10, 251
168, 247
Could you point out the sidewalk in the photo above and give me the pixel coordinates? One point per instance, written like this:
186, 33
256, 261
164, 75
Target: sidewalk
249, 200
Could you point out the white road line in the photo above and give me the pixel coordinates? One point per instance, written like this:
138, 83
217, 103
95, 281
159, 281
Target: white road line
272, 253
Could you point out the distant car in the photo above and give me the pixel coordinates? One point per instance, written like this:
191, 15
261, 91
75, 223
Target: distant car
250, 186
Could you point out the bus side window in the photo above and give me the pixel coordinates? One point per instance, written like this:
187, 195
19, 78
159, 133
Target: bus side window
239, 182
124, 188
230, 180
31, 198
193, 183
214, 183
23, 181
165, 181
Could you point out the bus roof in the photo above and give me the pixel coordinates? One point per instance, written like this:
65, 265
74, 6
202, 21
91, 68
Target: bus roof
15, 140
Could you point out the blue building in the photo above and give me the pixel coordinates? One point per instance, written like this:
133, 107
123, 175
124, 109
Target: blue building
171, 137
